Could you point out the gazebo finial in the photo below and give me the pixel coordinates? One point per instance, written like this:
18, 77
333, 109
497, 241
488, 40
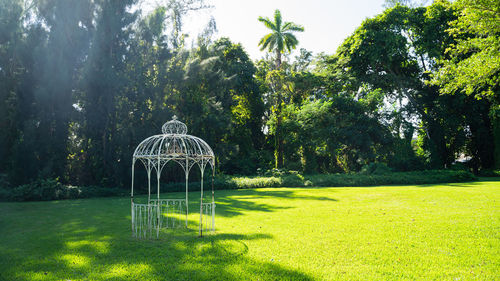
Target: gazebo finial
174, 126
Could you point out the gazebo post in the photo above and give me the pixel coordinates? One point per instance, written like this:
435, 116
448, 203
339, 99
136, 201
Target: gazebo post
132, 197
186, 170
149, 197
201, 202
149, 181
158, 174
213, 199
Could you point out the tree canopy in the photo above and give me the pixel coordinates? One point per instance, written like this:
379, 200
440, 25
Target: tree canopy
472, 64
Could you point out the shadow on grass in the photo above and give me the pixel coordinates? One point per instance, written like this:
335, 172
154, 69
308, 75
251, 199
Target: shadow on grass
457, 184
454, 184
249, 200
90, 240
241, 200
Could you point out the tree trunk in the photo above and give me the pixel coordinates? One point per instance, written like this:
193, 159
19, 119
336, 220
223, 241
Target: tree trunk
278, 59
279, 138
495, 119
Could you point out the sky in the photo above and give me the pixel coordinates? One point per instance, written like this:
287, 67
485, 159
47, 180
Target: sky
326, 22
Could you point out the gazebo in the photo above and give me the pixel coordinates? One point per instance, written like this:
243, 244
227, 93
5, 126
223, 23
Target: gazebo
174, 145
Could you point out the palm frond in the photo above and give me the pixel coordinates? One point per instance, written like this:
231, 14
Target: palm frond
290, 41
290, 37
268, 23
290, 26
277, 19
280, 43
288, 46
264, 41
272, 42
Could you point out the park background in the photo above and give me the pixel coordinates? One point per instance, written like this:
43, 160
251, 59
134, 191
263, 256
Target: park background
410, 96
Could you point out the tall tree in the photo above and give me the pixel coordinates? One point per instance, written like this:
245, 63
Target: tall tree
397, 51
15, 104
393, 52
472, 65
280, 40
407, 3
105, 80
69, 23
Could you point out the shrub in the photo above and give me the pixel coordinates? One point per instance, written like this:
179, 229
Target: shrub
458, 166
52, 189
375, 169
294, 180
415, 177
38, 190
4, 181
5, 194
489, 173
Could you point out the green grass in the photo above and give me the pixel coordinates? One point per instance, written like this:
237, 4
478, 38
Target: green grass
427, 232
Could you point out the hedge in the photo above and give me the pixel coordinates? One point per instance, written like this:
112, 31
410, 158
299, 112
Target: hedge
52, 189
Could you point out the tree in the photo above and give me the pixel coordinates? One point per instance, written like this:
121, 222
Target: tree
104, 79
280, 40
69, 24
408, 3
473, 62
396, 52
15, 104
48, 41
472, 65
333, 135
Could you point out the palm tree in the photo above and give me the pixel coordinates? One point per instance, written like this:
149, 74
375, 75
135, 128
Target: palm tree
281, 39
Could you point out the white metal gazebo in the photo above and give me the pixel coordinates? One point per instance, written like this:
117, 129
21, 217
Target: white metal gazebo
155, 152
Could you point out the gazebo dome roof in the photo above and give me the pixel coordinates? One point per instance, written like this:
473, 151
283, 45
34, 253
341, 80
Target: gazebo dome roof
174, 144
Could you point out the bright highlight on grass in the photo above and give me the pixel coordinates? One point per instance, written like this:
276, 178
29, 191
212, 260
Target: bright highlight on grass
428, 232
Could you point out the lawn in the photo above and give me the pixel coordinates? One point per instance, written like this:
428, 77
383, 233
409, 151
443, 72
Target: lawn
441, 232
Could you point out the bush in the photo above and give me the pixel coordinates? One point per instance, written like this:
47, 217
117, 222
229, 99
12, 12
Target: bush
39, 190
375, 169
294, 180
380, 176
52, 189
458, 166
489, 173
415, 177
4, 181
225, 182
5, 194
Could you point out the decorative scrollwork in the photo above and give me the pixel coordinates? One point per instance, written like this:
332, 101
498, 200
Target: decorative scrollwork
174, 126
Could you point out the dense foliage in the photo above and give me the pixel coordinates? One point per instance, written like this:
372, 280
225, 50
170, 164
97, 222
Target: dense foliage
83, 82
44, 190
